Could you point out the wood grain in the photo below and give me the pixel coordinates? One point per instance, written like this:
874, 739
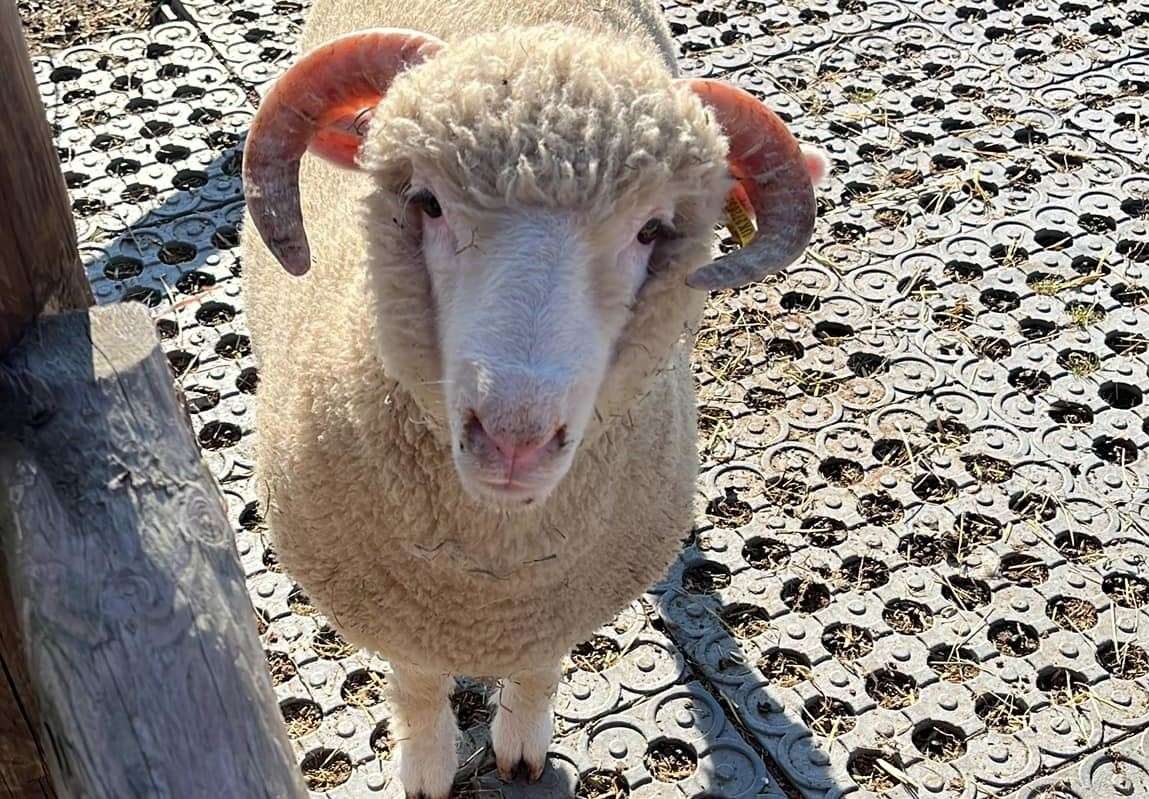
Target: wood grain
39, 263
139, 630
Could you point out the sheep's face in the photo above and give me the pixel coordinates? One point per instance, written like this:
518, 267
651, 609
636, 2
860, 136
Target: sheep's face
530, 303
550, 197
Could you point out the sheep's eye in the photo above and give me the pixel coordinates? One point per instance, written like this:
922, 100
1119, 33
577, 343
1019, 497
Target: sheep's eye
652, 230
426, 200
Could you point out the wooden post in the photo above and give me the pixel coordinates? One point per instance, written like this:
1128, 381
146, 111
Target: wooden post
40, 271
39, 263
137, 624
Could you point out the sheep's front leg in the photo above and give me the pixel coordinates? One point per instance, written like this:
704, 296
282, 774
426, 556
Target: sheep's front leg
523, 724
425, 731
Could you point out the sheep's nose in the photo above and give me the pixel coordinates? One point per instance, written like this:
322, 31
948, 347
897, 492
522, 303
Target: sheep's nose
519, 450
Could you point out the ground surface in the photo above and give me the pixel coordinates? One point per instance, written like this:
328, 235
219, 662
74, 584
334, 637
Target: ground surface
920, 561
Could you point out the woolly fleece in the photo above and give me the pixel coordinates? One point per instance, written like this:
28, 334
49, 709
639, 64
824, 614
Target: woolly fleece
363, 504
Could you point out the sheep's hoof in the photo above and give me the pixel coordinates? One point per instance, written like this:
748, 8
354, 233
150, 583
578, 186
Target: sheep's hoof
519, 769
521, 737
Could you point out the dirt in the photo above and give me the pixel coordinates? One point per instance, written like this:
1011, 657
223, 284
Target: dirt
729, 510
705, 578
786, 492
1079, 547
920, 549
330, 645
363, 688
784, 667
281, 667
1125, 660
907, 617
745, 621
1126, 590
1064, 686
803, 595
1014, 639
866, 769
324, 769
1072, 613
829, 717
939, 740
1025, 570
861, 573
1003, 713
670, 761
966, 592
602, 784
381, 742
301, 716
596, 655
471, 708
767, 554
891, 688
823, 531
987, 469
953, 664
848, 642
841, 472
880, 509
51, 25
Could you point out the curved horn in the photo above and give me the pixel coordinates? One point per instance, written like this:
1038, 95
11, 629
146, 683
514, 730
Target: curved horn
314, 100
769, 165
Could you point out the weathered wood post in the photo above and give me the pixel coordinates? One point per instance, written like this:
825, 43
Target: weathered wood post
146, 677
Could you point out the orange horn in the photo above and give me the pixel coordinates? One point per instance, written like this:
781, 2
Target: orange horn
311, 104
771, 168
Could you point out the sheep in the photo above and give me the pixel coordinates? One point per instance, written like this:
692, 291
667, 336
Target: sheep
476, 416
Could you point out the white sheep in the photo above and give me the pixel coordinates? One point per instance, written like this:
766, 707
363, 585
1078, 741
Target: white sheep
476, 413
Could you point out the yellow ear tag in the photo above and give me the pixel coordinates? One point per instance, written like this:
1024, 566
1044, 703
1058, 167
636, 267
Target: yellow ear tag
739, 216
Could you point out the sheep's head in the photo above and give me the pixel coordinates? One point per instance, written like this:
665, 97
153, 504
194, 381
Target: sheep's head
548, 200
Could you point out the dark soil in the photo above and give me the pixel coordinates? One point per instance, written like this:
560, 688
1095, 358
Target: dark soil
381, 743
324, 769
829, 717
784, 667
966, 592
363, 688
1072, 613
597, 654
1079, 547
823, 531
864, 766
302, 716
602, 784
907, 617
1125, 660
920, 549
767, 554
848, 642
939, 740
891, 688
471, 708
705, 577
745, 621
953, 664
1126, 590
1014, 638
670, 761
1025, 570
1002, 712
281, 667
803, 595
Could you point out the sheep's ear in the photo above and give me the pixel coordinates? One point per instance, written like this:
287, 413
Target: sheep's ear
339, 141
777, 177
319, 103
